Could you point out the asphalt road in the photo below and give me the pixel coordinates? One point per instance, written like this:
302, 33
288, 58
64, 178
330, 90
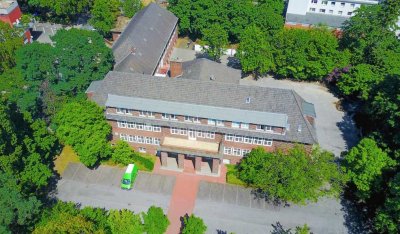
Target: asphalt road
101, 188
229, 208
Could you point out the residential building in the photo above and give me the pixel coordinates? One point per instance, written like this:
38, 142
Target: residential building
207, 119
146, 44
305, 13
10, 13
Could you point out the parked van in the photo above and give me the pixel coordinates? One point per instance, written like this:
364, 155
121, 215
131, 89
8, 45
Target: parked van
129, 177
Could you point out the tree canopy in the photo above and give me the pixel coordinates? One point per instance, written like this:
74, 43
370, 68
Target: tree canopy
193, 225
130, 7
155, 221
83, 126
10, 41
295, 176
216, 38
104, 15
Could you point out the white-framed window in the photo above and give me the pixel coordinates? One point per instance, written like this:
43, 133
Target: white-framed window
140, 126
150, 114
268, 128
196, 119
229, 137
245, 151
238, 138
220, 122
353, 5
340, 12
342, 4
244, 125
212, 135
312, 9
157, 141
148, 140
349, 13
237, 152
188, 118
322, 10
142, 150
183, 131
173, 117
235, 124
131, 138
248, 140
200, 134
258, 141
121, 124
333, 3
268, 142
123, 136
142, 113
330, 11
165, 116
314, 1
227, 150
131, 125
174, 130
156, 128
259, 127
211, 121
324, 3
148, 128
140, 139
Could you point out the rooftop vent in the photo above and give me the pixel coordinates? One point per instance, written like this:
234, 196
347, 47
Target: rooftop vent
212, 77
299, 128
248, 99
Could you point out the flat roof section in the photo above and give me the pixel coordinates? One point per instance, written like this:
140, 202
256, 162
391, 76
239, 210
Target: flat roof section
195, 145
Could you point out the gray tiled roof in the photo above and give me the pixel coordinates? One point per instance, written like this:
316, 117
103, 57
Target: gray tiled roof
201, 111
142, 43
205, 69
210, 93
333, 21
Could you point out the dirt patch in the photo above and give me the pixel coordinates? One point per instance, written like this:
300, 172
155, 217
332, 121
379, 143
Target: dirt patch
67, 156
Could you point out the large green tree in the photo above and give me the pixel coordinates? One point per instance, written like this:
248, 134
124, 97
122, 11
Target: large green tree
255, 52
295, 176
10, 41
65, 10
104, 15
306, 54
388, 217
17, 212
216, 38
125, 221
193, 225
130, 7
155, 221
83, 126
364, 164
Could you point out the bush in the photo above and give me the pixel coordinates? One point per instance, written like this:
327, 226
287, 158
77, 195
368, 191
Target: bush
193, 225
155, 221
232, 176
123, 154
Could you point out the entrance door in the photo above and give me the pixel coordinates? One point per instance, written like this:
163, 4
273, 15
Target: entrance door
192, 135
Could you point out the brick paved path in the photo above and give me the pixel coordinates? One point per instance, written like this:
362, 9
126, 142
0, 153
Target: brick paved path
184, 193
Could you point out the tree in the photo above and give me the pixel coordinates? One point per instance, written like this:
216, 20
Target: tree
241, 14
306, 54
364, 164
295, 176
303, 229
10, 41
360, 80
182, 9
217, 39
123, 153
155, 221
104, 15
193, 225
124, 221
269, 17
255, 52
83, 126
17, 212
130, 7
388, 217
390, 13
66, 10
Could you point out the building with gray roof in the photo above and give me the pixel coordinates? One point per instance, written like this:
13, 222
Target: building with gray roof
146, 43
214, 120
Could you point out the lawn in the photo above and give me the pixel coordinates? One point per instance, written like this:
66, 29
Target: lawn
67, 156
231, 177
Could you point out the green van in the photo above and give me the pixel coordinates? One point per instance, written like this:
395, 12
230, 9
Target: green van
129, 177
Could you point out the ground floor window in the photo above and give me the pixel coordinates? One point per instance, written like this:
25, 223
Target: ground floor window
236, 151
142, 150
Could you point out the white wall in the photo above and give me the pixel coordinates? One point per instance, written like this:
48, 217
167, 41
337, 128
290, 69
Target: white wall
301, 7
298, 7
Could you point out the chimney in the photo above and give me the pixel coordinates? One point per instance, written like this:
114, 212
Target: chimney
175, 68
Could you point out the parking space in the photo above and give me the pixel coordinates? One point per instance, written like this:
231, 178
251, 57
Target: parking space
101, 188
228, 208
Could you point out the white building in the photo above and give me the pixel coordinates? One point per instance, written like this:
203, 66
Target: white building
330, 13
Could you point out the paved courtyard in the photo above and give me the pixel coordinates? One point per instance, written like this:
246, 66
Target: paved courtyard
101, 188
336, 130
228, 208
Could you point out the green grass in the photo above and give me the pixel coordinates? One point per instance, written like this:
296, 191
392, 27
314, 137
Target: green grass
231, 177
67, 156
